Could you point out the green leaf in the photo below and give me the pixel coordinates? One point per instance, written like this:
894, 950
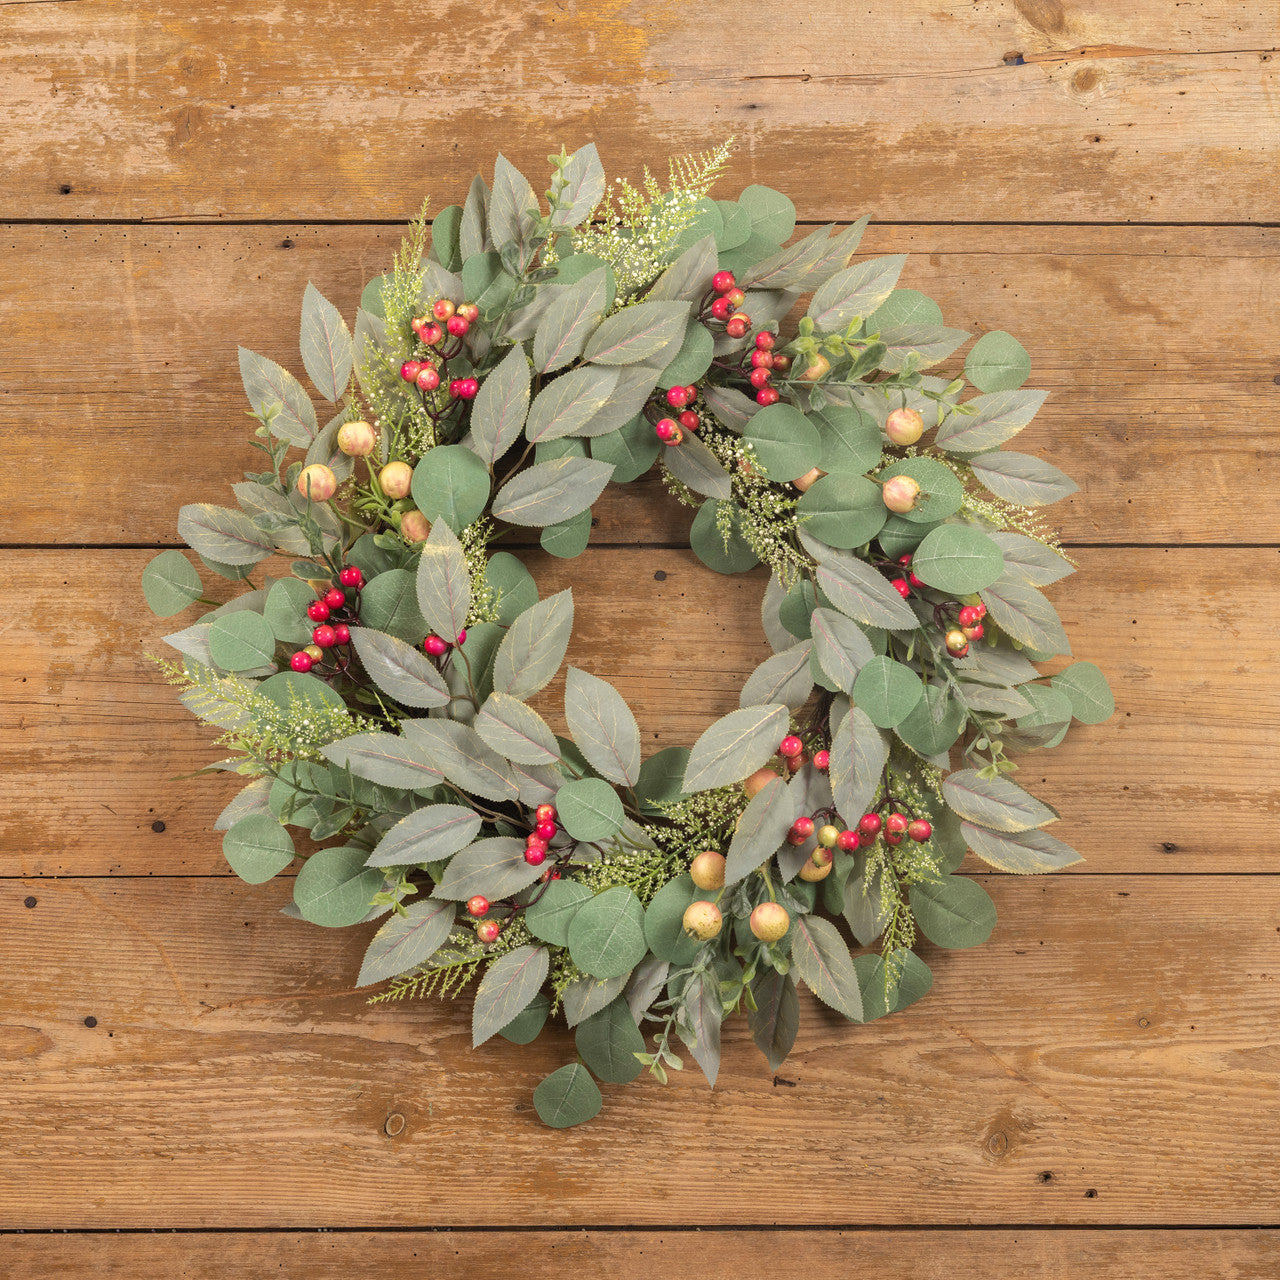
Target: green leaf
907, 982
326, 345
843, 510
1024, 614
935, 724
708, 545
697, 350
1021, 478
473, 229
695, 466
855, 292
583, 177
514, 585
513, 208
550, 492
887, 692
443, 583
285, 610
385, 758
704, 1011
170, 584
1087, 688
451, 484
500, 408
917, 346
293, 691
689, 276
858, 754
953, 912
405, 941
761, 829
734, 746
863, 594
784, 677
1049, 707
1032, 560
824, 965
507, 987
222, 536
589, 809
251, 800
549, 917
784, 441
957, 559
445, 229
566, 404
602, 726
606, 936
660, 777
1025, 853
516, 731
997, 362
525, 1026
533, 649
567, 1097
863, 906
585, 996
664, 921
399, 670
429, 834
242, 641
257, 847
642, 331
390, 603
334, 888
630, 450
267, 384
941, 492
841, 646
460, 753
731, 408
568, 322
772, 214
494, 868
996, 418
905, 307
609, 1041
775, 1018
994, 802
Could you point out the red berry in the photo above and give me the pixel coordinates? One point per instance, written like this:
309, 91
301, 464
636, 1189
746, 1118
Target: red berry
430, 334
981, 608
478, 906
968, 616
720, 309
847, 840
692, 392
428, 379
470, 388
920, 830
905, 560
822, 761
678, 397
535, 841
865, 841
545, 813
457, 326
488, 930
957, 645
342, 633
761, 360
760, 378
409, 370
764, 340
443, 309
767, 395
324, 636
723, 281
735, 297
551, 873
896, 823
301, 661
317, 611
796, 763
689, 420
535, 855
974, 632
737, 326
335, 598
901, 586
915, 582
462, 639
802, 827
454, 385
351, 577
891, 837
546, 830
435, 646
791, 745
870, 824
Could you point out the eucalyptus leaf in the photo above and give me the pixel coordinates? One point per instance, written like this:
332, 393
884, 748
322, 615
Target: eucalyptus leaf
567, 1097
953, 912
1087, 688
589, 809
609, 1041
334, 888
549, 917
451, 483
997, 362
390, 603
606, 935
887, 691
242, 641
957, 559
784, 441
630, 450
257, 848
170, 584
844, 511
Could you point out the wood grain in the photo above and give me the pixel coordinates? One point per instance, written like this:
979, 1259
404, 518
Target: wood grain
93, 745
239, 111
1158, 346
593, 1255
1116, 1035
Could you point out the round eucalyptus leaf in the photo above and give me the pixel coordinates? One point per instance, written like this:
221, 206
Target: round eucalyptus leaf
514, 584
843, 510
606, 935
549, 917
710, 546
1051, 706
569, 538
630, 451
953, 912
451, 483
693, 359
998, 362
905, 307
334, 887
958, 559
609, 1040
1086, 686
940, 490
737, 227
170, 583
785, 442
796, 610
525, 1026
664, 921
567, 1097
589, 809
292, 690
286, 611
257, 848
922, 733
390, 603
242, 641
899, 536
887, 691
661, 776
772, 214
850, 440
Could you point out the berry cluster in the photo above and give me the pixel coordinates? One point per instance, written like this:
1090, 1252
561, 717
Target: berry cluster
537, 847
441, 344
968, 627
760, 365
669, 430
437, 646
333, 613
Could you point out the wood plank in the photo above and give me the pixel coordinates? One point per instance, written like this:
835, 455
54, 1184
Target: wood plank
1178, 781
1159, 419
240, 110
1116, 1035
721, 1254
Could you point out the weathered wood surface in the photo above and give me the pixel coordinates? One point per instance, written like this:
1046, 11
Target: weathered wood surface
718, 1254
88, 728
1159, 347
235, 110
1117, 1035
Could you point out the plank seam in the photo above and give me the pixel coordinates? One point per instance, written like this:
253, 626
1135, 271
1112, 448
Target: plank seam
896, 1228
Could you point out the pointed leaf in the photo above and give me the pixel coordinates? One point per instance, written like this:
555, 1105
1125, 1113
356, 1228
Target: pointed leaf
996, 418
461, 755
399, 670
1021, 478
1025, 853
550, 492
689, 276
583, 189
220, 534
443, 583
515, 730
641, 332
841, 646
705, 1012
863, 594
267, 384
782, 678
776, 1017
510, 983
994, 802
534, 647
512, 205
855, 292
326, 345
568, 322
405, 941
823, 963
858, 755
500, 408
1024, 614
494, 868
761, 829
602, 726
734, 746
567, 403
585, 996
385, 758
1032, 560
695, 466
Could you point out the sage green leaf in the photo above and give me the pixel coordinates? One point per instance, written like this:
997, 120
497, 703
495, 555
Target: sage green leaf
589, 809
735, 746
935, 724
789, 268
1022, 613
500, 408
609, 1041
887, 692
704, 1012
406, 941
689, 276
904, 307
251, 800
660, 777
568, 322
997, 803
709, 545
664, 920
774, 1017
849, 439
170, 584
443, 583
385, 758
957, 559
515, 730
445, 229
706, 220
824, 965
1087, 688
1025, 853
772, 214
334, 888
550, 492
526, 1025
390, 603
494, 868
326, 345
602, 726
1021, 478
242, 642
953, 912
508, 985
784, 441
567, 1097
462, 756
533, 649
566, 404
863, 905
429, 834
784, 677
514, 585
941, 492
858, 754
1032, 560
841, 646
696, 467
761, 829
295, 692
549, 917
606, 935
513, 208
731, 408
285, 610
451, 484
641, 332
864, 595
257, 847
402, 672
1050, 708
631, 450
267, 384
844, 511
854, 292
884, 992
585, 996
997, 362
693, 359
582, 176
1002, 701
222, 535
996, 418
918, 346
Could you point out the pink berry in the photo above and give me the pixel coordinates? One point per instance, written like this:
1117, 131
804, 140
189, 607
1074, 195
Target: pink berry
896, 823
869, 824
546, 830
901, 586
822, 761
488, 930
470, 388
351, 577
409, 370
318, 611
865, 841
342, 633
802, 827
920, 830
462, 638
790, 745
968, 616
457, 325
723, 281
665, 429
735, 297
847, 840
893, 837
435, 646
535, 855
737, 327
545, 813
761, 360
324, 636
454, 388
442, 309
430, 334
478, 906
767, 395
428, 379
678, 397
689, 420
301, 661
334, 598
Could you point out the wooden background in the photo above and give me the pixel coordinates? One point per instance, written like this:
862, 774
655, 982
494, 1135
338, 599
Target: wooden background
191, 1088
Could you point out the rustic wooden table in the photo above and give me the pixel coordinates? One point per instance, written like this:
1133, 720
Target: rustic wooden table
1094, 1092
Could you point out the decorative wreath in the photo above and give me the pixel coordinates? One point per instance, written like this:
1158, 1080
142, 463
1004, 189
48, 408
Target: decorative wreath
379, 695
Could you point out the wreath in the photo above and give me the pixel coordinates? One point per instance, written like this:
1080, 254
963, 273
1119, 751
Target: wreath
379, 693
